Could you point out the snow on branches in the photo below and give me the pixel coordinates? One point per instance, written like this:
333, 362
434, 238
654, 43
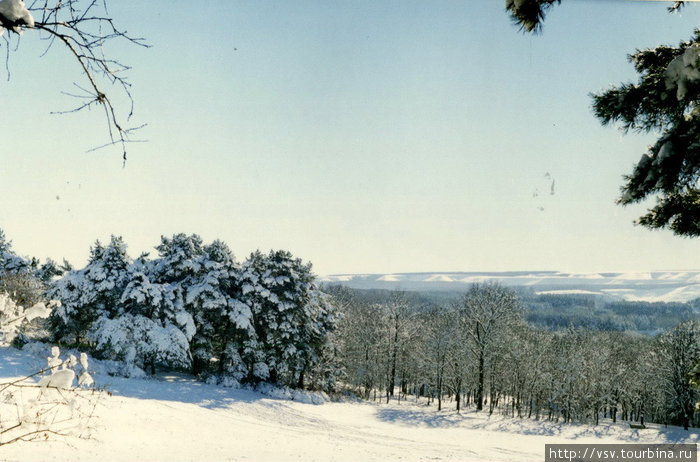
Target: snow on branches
195, 307
684, 71
53, 406
13, 316
665, 100
14, 15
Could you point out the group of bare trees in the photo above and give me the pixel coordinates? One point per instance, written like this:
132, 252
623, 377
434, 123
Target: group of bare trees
479, 352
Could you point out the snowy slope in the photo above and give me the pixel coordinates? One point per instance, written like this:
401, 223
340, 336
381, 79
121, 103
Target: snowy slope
175, 418
657, 286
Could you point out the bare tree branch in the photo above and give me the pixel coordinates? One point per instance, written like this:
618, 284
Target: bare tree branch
85, 27
37, 416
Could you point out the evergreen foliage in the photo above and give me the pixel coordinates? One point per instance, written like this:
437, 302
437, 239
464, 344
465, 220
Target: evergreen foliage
195, 307
664, 101
90, 293
529, 14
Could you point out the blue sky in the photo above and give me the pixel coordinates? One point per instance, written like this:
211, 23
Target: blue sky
364, 136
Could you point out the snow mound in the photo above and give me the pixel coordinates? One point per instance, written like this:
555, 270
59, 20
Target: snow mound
389, 278
439, 278
300, 396
631, 277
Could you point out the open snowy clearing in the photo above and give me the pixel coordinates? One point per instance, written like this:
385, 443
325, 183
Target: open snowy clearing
175, 418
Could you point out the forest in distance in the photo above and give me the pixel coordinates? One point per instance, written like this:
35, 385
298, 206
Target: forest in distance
562, 311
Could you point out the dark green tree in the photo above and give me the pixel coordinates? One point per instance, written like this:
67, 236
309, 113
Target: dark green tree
529, 14
664, 101
91, 292
292, 320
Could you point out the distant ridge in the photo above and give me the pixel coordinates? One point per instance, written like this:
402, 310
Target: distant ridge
652, 286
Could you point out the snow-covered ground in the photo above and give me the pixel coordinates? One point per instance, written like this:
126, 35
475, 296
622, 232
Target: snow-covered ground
175, 418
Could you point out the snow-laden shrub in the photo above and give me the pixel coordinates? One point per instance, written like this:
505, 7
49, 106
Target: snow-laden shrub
139, 341
121, 369
13, 317
222, 380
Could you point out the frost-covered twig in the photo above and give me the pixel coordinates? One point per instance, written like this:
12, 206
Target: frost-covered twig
27, 416
31, 411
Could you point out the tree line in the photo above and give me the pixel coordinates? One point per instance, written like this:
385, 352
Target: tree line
480, 352
555, 311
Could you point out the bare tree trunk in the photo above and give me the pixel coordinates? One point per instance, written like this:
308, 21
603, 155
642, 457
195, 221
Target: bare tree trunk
300, 383
394, 354
479, 397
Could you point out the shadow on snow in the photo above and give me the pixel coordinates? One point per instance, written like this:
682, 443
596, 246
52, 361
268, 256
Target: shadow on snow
183, 388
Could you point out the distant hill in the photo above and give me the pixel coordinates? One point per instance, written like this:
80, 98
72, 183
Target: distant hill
656, 286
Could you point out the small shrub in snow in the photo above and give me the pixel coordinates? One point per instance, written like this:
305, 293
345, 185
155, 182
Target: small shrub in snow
51, 407
291, 394
140, 341
222, 380
13, 317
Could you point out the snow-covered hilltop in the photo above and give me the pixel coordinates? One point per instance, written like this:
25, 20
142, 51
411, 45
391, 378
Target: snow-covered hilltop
662, 286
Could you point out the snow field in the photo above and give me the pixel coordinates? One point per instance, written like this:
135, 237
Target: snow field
176, 418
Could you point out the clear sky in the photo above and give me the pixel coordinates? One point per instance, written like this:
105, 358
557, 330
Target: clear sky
364, 136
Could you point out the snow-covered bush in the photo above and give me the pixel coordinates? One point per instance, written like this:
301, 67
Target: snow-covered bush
14, 316
53, 406
140, 341
286, 393
61, 373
